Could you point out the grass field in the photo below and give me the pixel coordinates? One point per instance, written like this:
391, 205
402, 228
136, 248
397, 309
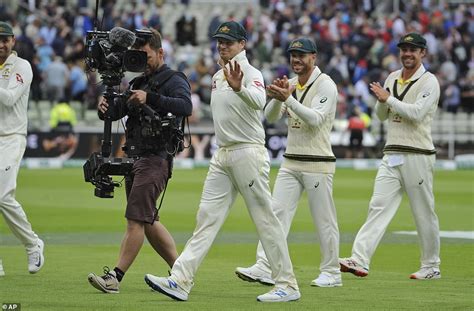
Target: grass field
82, 234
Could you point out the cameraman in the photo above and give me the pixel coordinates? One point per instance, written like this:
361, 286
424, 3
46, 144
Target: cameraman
165, 91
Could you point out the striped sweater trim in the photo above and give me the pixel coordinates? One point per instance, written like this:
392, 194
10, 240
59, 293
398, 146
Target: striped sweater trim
309, 158
407, 149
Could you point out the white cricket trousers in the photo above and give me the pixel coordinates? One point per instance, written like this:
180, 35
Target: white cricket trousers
240, 169
289, 187
12, 148
415, 177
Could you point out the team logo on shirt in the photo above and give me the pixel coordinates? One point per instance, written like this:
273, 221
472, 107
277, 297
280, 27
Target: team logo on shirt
323, 100
258, 83
19, 79
426, 94
6, 73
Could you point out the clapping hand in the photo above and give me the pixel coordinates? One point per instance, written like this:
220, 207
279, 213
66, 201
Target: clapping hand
280, 89
381, 94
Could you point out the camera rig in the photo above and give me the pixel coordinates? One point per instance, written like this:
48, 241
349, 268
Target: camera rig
100, 165
108, 52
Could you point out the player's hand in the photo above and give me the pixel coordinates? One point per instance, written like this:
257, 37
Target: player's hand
103, 105
280, 89
234, 76
138, 97
379, 92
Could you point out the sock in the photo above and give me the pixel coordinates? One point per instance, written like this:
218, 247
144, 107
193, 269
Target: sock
120, 274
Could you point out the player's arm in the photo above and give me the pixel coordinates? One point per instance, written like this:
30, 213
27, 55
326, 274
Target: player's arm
252, 91
18, 83
381, 109
321, 105
426, 99
274, 110
249, 86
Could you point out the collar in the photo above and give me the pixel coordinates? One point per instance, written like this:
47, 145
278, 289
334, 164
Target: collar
418, 73
10, 59
316, 72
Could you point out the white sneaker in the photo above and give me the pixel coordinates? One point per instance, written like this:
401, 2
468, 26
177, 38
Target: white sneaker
167, 287
352, 266
36, 258
428, 273
279, 294
327, 280
2, 272
107, 283
254, 274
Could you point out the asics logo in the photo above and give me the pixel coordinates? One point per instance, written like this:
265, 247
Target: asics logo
251, 183
432, 275
317, 185
172, 284
38, 264
421, 181
8, 167
280, 293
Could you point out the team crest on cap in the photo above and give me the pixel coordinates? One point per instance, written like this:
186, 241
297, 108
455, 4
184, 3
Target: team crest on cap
297, 44
224, 29
409, 38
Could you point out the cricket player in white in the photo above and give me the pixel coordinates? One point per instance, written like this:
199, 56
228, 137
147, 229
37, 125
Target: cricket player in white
309, 163
15, 80
240, 165
408, 101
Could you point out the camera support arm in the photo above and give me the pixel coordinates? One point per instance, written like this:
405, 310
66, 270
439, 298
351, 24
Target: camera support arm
106, 148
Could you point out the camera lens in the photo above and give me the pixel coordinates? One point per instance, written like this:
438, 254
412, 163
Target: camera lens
134, 61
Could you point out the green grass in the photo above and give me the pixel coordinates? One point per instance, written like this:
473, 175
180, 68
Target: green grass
83, 233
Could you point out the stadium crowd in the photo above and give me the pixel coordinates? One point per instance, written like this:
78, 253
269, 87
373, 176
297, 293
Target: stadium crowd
356, 43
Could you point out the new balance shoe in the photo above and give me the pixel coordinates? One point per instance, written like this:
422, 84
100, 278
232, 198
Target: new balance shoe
426, 274
352, 266
36, 258
279, 294
2, 272
254, 274
327, 280
107, 283
166, 286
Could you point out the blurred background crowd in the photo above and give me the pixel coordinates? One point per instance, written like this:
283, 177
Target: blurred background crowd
356, 43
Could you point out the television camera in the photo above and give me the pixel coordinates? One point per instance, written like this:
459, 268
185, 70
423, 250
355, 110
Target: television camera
108, 52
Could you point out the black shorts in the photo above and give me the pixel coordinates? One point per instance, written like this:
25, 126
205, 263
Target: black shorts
355, 140
143, 186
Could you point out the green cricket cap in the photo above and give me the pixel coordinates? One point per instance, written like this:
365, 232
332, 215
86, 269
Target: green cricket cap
304, 45
231, 31
413, 39
6, 29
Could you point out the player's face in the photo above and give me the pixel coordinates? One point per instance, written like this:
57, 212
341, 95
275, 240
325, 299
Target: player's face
155, 58
228, 49
411, 56
302, 63
6, 46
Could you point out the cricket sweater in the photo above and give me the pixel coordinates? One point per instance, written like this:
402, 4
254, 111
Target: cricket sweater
15, 80
409, 111
310, 120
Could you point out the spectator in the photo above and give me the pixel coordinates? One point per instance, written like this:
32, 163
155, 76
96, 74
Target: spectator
56, 78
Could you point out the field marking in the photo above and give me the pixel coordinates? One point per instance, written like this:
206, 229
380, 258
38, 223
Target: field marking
446, 234
114, 238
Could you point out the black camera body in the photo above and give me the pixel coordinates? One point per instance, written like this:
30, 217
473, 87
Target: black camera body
97, 170
108, 52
